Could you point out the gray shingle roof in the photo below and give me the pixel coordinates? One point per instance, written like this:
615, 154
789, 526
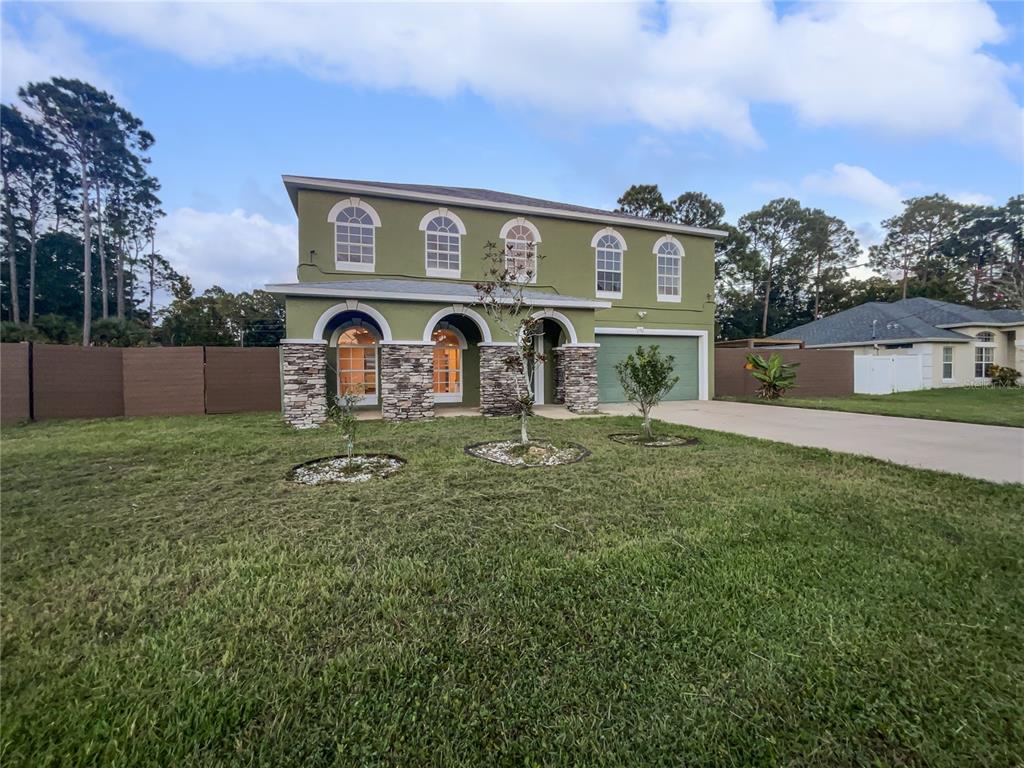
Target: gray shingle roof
492, 199
423, 290
908, 319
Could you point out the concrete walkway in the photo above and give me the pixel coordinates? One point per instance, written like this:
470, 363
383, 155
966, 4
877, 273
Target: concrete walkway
977, 450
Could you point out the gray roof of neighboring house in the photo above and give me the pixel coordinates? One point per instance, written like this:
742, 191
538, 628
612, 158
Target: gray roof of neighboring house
423, 290
905, 320
485, 198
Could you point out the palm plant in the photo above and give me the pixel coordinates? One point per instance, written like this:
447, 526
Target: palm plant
774, 375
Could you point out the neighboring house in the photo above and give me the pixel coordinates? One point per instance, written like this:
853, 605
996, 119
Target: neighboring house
954, 343
385, 299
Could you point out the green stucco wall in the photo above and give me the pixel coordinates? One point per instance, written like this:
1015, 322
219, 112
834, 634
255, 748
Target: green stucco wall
567, 266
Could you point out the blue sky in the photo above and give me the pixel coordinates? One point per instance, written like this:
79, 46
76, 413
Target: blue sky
847, 107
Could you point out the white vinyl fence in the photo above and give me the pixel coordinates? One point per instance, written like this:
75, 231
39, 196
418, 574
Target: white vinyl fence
884, 375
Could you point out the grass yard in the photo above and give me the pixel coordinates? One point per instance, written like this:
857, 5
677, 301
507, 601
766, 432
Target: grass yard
168, 600
976, 405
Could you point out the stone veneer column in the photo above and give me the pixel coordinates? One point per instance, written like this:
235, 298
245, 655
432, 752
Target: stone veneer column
304, 384
559, 369
498, 392
579, 370
407, 381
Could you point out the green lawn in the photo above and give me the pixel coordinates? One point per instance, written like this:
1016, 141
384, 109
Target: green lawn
168, 600
977, 405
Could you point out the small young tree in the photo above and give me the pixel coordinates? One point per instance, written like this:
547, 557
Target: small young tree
646, 377
501, 294
774, 376
342, 413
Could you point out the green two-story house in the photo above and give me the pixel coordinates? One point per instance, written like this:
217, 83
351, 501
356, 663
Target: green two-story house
385, 304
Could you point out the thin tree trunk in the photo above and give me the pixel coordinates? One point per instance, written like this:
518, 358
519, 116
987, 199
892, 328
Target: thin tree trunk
87, 258
31, 271
152, 281
767, 297
120, 279
817, 287
104, 298
12, 260
906, 268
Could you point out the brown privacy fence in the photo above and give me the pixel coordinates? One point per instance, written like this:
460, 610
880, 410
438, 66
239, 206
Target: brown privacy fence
822, 372
50, 381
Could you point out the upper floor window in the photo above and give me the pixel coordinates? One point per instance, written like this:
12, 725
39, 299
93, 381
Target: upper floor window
355, 223
609, 247
443, 232
521, 239
985, 337
670, 269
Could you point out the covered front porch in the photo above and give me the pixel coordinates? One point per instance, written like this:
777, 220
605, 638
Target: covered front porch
413, 358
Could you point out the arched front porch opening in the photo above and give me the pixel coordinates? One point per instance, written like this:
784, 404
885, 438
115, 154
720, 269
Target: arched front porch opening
353, 356
456, 360
550, 336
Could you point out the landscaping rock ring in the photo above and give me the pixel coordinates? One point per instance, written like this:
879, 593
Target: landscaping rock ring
341, 469
537, 453
665, 441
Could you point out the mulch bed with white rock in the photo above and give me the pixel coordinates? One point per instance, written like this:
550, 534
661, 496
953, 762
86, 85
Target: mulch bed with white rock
341, 469
537, 453
660, 441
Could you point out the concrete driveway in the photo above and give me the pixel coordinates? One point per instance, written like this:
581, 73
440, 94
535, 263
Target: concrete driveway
989, 453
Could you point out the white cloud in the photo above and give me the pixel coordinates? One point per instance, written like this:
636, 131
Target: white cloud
973, 198
48, 50
908, 69
855, 183
238, 251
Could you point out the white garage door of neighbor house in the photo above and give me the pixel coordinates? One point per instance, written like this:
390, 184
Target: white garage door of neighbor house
884, 375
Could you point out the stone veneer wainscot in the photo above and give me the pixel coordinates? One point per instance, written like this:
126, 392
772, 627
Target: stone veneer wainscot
304, 384
407, 381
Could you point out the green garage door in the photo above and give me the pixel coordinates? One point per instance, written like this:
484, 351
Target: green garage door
615, 348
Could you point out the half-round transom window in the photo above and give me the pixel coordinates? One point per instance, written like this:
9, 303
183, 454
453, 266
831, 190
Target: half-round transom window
353, 236
357, 363
447, 364
443, 244
986, 337
521, 252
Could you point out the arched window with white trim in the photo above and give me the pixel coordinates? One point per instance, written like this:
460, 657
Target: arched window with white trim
355, 224
984, 353
608, 251
521, 239
448, 346
357, 344
669, 254
442, 235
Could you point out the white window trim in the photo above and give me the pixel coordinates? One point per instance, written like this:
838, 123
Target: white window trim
350, 266
982, 345
459, 226
675, 299
622, 263
942, 362
450, 397
523, 222
373, 399
702, 348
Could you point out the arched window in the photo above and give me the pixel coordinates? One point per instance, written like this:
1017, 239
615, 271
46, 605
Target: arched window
448, 346
355, 223
357, 361
608, 247
521, 239
670, 269
443, 232
984, 353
